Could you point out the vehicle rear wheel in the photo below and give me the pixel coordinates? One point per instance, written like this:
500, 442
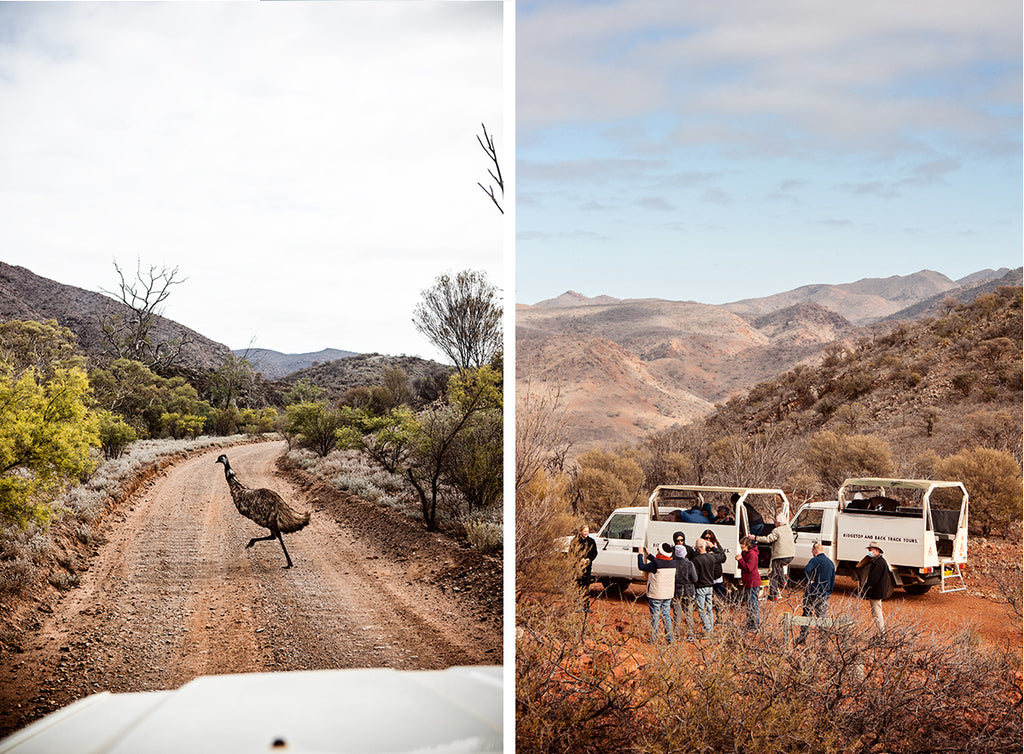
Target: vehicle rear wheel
916, 588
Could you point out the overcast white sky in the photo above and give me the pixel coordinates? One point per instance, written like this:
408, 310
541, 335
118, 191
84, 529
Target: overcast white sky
308, 167
714, 151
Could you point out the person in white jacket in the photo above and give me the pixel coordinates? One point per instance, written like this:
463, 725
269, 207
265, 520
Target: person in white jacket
783, 549
661, 585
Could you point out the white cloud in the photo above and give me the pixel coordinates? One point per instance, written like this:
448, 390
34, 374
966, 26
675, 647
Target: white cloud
865, 73
328, 147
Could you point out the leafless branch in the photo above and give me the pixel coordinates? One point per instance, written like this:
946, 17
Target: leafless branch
487, 144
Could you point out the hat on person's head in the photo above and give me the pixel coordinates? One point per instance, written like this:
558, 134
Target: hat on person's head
874, 545
666, 547
680, 551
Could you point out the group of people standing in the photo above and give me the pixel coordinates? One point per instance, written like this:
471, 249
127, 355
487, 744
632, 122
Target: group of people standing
681, 578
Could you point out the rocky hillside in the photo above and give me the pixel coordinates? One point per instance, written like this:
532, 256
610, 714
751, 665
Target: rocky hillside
340, 375
938, 384
628, 367
27, 296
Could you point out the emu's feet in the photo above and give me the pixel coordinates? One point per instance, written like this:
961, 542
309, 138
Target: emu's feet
251, 543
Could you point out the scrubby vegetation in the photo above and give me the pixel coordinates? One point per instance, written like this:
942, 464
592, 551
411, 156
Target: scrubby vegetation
582, 686
937, 398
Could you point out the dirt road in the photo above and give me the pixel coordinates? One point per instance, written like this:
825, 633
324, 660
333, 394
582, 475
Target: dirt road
173, 594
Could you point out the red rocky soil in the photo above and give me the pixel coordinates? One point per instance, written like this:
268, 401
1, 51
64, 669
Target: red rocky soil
173, 594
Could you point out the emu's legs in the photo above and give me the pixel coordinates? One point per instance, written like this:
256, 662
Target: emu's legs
287, 557
272, 535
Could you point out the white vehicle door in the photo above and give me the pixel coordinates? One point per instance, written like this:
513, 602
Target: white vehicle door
615, 555
813, 525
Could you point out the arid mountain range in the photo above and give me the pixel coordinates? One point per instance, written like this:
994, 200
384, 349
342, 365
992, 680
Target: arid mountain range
624, 368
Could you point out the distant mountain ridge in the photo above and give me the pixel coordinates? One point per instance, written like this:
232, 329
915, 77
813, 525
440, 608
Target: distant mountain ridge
274, 365
626, 367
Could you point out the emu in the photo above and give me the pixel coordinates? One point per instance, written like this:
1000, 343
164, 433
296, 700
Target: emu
266, 508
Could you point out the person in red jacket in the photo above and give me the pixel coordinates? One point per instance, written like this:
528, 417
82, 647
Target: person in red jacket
750, 577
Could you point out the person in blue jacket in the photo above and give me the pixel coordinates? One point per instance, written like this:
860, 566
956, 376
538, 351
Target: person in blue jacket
820, 573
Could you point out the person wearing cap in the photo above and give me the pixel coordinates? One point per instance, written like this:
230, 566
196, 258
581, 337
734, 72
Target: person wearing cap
686, 591
876, 583
820, 573
661, 585
783, 550
750, 578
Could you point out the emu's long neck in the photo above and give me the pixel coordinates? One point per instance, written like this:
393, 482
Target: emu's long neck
230, 475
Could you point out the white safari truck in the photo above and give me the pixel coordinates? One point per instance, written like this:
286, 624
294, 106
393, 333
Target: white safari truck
628, 530
920, 524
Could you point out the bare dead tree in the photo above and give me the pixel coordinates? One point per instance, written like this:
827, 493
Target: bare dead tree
487, 144
130, 334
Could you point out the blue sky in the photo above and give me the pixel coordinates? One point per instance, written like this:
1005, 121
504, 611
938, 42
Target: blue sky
716, 151
308, 167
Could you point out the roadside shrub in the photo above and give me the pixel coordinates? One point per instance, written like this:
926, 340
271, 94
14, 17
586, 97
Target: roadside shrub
16, 575
606, 480
484, 532
115, 434
542, 518
64, 581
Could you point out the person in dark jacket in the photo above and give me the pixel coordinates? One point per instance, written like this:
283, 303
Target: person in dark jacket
750, 577
704, 562
718, 587
686, 590
877, 583
820, 573
584, 550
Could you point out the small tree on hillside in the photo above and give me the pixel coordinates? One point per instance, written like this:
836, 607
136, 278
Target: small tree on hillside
993, 480
235, 378
603, 481
833, 458
461, 315
41, 346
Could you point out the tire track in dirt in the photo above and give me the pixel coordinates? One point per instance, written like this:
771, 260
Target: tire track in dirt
174, 594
